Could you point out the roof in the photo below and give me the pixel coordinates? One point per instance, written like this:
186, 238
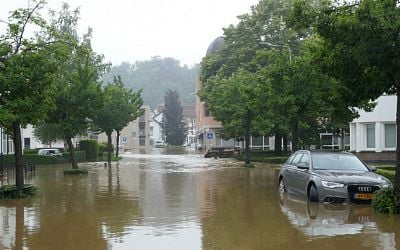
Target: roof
215, 45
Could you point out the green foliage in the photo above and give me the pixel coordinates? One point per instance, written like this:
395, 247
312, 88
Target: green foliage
78, 155
91, 149
74, 171
79, 94
388, 173
48, 133
386, 201
155, 77
121, 106
12, 192
173, 123
31, 151
27, 75
103, 147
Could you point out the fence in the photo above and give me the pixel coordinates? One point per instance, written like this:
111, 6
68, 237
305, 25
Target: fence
7, 173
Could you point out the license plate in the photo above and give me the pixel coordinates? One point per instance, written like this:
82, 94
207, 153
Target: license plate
360, 196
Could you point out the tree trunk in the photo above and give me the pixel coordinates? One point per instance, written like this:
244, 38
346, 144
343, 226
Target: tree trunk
109, 145
247, 146
71, 152
285, 143
19, 165
117, 147
397, 175
294, 137
278, 143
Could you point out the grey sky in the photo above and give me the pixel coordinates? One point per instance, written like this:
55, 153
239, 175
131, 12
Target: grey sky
131, 30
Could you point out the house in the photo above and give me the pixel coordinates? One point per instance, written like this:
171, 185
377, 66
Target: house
373, 134
136, 135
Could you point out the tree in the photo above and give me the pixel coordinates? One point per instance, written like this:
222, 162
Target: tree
247, 47
48, 133
27, 74
120, 107
79, 94
360, 47
174, 126
241, 103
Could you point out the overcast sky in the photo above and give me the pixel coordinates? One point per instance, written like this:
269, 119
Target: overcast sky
132, 30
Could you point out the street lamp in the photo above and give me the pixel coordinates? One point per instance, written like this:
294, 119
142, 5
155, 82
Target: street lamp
278, 46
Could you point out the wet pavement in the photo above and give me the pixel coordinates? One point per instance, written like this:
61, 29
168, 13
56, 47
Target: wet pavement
165, 200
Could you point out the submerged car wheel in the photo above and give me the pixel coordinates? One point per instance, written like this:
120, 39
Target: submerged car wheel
282, 187
313, 193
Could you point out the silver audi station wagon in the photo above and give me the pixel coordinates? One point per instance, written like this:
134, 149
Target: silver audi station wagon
333, 177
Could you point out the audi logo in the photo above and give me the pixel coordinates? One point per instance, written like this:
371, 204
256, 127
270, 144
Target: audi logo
364, 189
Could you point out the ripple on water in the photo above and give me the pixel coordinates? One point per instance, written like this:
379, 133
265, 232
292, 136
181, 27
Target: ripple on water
177, 163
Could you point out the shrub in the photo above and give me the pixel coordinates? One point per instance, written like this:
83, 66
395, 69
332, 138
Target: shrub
11, 192
79, 156
91, 148
78, 171
31, 151
386, 201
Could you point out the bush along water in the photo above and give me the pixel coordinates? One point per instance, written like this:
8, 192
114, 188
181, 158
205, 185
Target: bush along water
386, 201
78, 171
11, 192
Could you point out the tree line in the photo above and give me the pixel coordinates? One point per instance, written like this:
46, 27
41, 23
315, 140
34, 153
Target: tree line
156, 76
53, 80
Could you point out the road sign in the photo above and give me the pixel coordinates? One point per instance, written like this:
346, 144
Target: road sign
125, 139
209, 135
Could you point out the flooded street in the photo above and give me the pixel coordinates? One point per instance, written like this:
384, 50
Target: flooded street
171, 201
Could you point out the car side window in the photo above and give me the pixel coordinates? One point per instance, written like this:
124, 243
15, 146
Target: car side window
304, 161
296, 159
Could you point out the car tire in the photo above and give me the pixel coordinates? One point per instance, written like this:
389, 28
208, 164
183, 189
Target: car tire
313, 193
282, 186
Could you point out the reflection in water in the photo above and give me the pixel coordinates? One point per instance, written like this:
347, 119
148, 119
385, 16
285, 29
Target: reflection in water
172, 201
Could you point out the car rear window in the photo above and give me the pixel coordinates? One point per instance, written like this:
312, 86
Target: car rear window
337, 162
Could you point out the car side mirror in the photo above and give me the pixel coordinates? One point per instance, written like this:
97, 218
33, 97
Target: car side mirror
372, 168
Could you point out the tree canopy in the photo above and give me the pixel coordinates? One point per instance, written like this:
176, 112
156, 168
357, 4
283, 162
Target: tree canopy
27, 76
174, 126
121, 106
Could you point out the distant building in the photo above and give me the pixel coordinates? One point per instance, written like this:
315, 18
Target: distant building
156, 130
373, 134
136, 135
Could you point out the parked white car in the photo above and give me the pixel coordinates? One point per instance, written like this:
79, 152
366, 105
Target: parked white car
49, 151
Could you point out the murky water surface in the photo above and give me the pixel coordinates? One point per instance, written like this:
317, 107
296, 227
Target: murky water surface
171, 201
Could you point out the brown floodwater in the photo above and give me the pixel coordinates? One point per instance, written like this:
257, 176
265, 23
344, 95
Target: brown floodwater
182, 201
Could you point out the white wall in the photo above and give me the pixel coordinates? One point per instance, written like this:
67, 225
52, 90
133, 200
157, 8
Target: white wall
383, 113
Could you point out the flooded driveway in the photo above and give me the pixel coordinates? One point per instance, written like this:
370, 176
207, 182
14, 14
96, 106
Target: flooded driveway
171, 201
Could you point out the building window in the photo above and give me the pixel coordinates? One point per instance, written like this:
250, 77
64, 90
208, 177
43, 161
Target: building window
390, 135
257, 141
142, 142
370, 135
266, 140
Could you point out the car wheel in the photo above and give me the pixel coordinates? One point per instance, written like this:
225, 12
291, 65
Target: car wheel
313, 193
282, 186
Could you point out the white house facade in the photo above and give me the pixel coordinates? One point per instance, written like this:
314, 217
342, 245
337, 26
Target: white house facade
375, 132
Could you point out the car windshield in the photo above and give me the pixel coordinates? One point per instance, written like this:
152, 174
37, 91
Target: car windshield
339, 162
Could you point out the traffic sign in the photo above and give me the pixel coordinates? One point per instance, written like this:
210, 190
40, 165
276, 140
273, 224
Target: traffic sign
209, 135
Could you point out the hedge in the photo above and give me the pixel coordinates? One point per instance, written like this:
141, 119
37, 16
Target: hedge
43, 159
387, 173
91, 148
